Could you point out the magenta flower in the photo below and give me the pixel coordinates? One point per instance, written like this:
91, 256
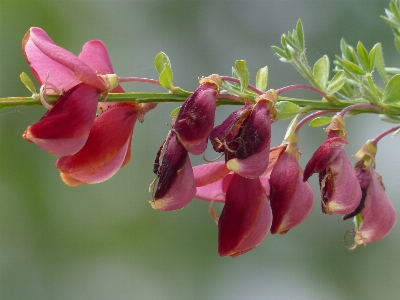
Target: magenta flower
195, 119
245, 138
64, 129
340, 190
376, 213
246, 217
291, 199
174, 187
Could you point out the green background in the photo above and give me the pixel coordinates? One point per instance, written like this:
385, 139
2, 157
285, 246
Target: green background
104, 241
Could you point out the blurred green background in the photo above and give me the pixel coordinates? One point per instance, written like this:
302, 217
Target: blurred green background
104, 241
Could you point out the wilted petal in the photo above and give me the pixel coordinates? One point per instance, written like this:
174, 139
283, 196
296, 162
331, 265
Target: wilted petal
49, 60
64, 129
175, 186
340, 189
106, 148
252, 154
324, 156
245, 219
378, 214
195, 119
291, 199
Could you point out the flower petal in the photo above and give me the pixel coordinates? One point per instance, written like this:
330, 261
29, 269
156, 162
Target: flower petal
64, 129
106, 148
59, 55
175, 186
246, 217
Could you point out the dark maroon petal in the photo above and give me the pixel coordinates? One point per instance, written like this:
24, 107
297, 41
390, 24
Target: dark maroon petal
195, 119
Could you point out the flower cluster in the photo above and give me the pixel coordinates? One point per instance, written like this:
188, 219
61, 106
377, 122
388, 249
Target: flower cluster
263, 189
92, 148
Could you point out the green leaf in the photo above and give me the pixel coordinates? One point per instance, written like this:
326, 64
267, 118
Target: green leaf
166, 77
363, 55
286, 110
390, 119
391, 95
243, 73
300, 34
371, 59
392, 71
321, 71
291, 128
320, 121
397, 43
336, 83
281, 53
27, 82
262, 79
161, 61
175, 111
353, 68
379, 62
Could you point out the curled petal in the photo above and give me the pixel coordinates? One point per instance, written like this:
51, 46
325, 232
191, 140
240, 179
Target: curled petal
48, 59
378, 214
324, 156
291, 199
175, 187
64, 129
340, 189
245, 219
106, 148
209, 173
195, 119
250, 159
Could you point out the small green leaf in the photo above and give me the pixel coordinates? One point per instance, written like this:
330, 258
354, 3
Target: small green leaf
397, 43
262, 79
392, 71
391, 95
27, 82
166, 77
280, 52
300, 34
291, 128
390, 119
175, 111
379, 62
321, 71
336, 83
161, 61
363, 55
243, 73
320, 121
286, 110
396, 132
371, 59
353, 68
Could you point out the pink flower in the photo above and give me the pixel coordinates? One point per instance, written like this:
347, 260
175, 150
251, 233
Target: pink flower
64, 129
245, 138
377, 213
174, 187
340, 190
291, 199
195, 119
246, 217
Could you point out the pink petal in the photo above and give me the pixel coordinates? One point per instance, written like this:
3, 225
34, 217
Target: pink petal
181, 192
246, 205
64, 129
215, 191
94, 54
252, 166
65, 58
378, 214
209, 173
106, 147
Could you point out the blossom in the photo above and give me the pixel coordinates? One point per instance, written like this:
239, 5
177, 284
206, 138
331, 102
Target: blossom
195, 119
375, 216
291, 199
174, 187
340, 190
245, 137
64, 129
246, 217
